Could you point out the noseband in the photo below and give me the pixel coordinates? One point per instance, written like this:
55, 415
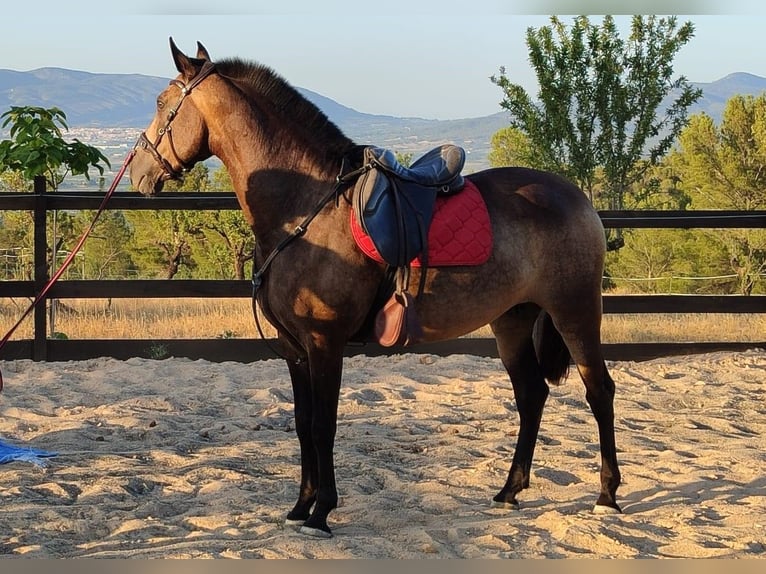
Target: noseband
147, 145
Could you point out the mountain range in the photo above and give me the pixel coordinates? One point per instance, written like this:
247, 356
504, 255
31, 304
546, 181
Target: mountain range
127, 100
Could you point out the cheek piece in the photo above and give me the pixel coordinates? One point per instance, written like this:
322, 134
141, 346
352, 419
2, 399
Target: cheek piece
144, 143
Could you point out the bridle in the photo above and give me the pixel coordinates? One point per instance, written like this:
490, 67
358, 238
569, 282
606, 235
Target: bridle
170, 172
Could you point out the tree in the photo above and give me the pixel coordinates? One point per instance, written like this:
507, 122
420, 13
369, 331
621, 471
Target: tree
724, 167
404, 158
226, 233
107, 254
14, 181
37, 146
161, 241
510, 146
209, 244
37, 149
16, 231
164, 237
600, 109
652, 260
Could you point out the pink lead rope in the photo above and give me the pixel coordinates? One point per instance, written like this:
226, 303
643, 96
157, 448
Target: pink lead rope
71, 256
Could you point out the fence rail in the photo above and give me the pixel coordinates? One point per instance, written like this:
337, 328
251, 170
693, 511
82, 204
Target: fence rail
42, 348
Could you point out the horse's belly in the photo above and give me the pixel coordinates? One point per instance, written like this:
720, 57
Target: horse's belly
459, 301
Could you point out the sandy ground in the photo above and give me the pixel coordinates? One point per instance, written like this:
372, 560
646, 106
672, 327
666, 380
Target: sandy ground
193, 459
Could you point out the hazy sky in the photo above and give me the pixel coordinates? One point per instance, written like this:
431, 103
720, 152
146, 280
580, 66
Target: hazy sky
427, 58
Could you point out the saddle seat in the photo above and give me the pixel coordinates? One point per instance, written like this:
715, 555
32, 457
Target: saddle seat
438, 168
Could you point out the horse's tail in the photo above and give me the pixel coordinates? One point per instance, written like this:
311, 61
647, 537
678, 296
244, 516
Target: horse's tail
552, 354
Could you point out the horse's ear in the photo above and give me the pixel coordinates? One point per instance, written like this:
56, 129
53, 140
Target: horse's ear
202, 53
184, 65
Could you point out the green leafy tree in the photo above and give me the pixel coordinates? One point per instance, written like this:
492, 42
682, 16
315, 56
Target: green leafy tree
227, 240
652, 260
404, 158
209, 244
668, 261
16, 241
161, 242
37, 146
724, 167
658, 188
12, 181
510, 146
107, 253
599, 112
15, 231
164, 238
649, 260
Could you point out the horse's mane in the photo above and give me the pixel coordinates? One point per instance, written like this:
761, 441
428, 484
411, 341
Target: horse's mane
261, 83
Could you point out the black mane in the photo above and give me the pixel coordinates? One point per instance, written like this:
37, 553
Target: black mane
261, 83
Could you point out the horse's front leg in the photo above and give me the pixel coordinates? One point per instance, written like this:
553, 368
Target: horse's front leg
325, 369
301, 382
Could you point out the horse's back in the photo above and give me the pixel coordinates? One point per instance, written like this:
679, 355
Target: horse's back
534, 211
531, 192
546, 232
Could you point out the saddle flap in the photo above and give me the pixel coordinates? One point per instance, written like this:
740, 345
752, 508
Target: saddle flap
370, 191
395, 217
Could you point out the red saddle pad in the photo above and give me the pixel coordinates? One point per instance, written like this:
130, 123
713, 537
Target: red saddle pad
460, 233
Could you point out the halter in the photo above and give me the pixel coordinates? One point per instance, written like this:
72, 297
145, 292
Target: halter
144, 143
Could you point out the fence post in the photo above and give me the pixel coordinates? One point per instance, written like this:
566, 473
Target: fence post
40, 343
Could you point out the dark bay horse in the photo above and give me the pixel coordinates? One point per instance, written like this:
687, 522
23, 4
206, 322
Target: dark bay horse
540, 290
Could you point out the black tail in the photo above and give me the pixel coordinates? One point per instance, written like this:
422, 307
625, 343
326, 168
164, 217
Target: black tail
552, 354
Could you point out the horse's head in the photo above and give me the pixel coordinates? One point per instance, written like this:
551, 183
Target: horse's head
177, 137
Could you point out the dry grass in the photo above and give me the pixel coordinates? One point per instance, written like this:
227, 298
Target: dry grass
684, 327
681, 328
229, 318
145, 318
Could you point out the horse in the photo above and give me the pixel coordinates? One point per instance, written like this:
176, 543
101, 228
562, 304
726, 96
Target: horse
539, 290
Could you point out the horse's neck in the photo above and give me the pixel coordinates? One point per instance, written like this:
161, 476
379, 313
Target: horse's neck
275, 193
273, 187
277, 179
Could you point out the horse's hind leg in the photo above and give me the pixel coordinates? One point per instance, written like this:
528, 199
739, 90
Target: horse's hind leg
513, 332
580, 328
599, 392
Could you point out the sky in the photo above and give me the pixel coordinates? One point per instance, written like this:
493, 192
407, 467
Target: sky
408, 58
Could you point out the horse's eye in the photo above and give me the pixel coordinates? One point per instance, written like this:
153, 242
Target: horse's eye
160, 104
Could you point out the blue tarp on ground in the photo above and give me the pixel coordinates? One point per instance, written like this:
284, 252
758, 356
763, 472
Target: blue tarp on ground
10, 453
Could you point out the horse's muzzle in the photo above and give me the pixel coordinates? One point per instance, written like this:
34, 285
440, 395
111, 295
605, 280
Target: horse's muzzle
145, 177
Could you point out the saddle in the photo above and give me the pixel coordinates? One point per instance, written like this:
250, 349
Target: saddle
394, 205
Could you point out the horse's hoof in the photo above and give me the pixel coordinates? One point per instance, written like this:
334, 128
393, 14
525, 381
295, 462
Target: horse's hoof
315, 532
504, 504
604, 510
293, 523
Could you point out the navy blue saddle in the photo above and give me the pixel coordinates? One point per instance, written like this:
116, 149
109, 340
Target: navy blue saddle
394, 204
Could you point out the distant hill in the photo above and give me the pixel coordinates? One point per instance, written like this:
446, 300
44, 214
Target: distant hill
716, 94
413, 135
127, 100
87, 99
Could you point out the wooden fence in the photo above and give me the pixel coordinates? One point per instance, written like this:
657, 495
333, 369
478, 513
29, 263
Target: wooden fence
40, 348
